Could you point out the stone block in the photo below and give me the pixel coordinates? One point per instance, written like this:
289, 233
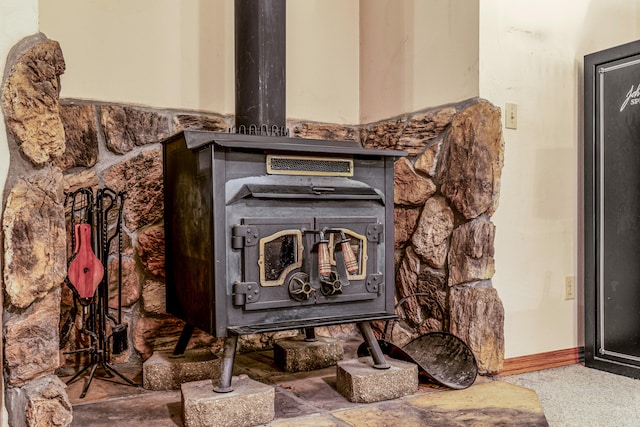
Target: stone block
358, 381
298, 355
250, 403
164, 372
43, 402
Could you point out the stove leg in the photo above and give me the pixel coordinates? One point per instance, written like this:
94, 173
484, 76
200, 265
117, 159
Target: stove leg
379, 362
226, 367
181, 345
310, 334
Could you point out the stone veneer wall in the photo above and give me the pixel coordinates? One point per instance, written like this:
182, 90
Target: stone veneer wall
446, 191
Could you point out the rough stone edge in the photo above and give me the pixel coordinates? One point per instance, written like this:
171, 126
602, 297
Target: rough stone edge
18, 167
192, 403
349, 381
17, 413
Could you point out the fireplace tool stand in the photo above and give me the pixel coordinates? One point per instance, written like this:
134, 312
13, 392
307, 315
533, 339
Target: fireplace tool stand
88, 278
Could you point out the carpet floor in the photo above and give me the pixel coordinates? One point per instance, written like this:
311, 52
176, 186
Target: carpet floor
575, 395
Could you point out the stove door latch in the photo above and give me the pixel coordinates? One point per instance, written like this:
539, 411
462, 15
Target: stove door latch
244, 235
245, 293
374, 231
374, 283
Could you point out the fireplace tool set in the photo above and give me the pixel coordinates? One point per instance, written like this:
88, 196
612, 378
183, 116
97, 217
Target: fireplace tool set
95, 223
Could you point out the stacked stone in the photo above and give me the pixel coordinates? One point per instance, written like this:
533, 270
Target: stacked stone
445, 193
34, 237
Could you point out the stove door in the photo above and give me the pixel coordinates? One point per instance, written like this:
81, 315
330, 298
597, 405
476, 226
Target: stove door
363, 236
273, 260
281, 261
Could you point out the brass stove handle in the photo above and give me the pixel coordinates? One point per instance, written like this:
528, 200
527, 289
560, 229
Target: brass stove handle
350, 261
324, 261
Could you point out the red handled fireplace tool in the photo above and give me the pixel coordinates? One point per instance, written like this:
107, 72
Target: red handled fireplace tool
91, 220
85, 269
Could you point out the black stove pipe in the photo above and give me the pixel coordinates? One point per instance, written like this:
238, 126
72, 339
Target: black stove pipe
260, 62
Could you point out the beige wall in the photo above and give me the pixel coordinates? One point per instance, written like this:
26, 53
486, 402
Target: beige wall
161, 53
416, 54
164, 53
531, 54
322, 60
343, 56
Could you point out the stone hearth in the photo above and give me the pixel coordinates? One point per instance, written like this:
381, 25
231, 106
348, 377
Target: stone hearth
446, 191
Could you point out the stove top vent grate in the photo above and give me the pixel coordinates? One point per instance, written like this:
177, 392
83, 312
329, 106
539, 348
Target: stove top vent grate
301, 165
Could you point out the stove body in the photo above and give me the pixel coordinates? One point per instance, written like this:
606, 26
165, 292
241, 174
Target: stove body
267, 233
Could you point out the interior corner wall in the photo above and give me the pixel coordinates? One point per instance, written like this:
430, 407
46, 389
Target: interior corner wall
169, 54
531, 54
416, 54
343, 56
322, 60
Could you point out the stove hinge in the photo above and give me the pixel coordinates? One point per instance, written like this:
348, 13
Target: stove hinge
245, 293
244, 235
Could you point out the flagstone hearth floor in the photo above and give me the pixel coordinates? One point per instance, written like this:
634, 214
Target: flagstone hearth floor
310, 399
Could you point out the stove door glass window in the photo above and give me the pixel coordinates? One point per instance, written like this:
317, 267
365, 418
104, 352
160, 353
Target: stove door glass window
358, 244
280, 253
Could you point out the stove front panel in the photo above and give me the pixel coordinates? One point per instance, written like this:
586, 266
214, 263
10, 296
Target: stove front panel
273, 269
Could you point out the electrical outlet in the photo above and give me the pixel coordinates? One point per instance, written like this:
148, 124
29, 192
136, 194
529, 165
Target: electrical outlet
569, 287
511, 116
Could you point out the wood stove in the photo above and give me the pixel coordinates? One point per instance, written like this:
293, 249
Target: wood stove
268, 233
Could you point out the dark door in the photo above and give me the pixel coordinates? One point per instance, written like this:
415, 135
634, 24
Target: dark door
612, 210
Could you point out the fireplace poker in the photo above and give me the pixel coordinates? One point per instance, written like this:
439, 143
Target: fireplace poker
119, 341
